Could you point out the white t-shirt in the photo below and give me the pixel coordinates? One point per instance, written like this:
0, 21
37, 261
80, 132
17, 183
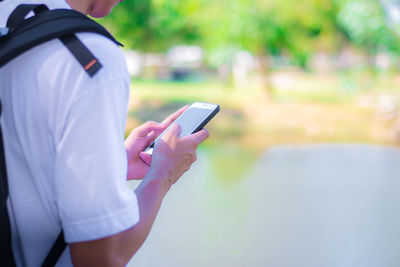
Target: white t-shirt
64, 144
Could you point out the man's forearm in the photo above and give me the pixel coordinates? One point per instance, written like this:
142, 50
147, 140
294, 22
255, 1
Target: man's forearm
118, 249
150, 194
174, 156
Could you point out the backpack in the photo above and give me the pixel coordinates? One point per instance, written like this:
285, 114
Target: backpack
20, 35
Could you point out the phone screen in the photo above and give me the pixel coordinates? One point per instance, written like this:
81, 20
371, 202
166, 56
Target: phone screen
191, 119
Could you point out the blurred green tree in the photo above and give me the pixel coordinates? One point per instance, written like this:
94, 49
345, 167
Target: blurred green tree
364, 23
290, 28
154, 25
287, 28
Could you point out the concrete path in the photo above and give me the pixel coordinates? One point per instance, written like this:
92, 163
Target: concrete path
300, 206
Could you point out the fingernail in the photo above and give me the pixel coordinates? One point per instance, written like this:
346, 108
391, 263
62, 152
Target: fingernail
146, 158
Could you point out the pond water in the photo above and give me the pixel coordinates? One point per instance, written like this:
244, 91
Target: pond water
293, 206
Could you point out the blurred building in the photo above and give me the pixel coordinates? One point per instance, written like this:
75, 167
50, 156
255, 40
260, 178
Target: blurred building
179, 63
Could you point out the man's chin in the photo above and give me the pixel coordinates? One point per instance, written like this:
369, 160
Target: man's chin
100, 13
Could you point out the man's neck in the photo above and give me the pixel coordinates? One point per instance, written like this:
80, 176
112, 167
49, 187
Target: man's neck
83, 6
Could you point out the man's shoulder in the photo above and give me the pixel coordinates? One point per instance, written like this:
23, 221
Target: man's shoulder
109, 54
103, 48
53, 56
65, 67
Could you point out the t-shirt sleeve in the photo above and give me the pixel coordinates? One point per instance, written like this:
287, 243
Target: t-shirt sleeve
91, 191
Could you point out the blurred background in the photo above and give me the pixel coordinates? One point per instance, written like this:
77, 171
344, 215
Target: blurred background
284, 72
320, 77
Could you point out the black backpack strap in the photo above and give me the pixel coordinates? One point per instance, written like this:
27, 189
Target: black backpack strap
6, 254
19, 14
55, 252
87, 60
23, 34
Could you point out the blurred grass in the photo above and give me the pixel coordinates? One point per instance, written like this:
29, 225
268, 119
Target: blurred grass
306, 109
230, 163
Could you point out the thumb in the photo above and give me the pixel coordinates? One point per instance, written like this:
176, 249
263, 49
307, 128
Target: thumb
146, 158
200, 136
172, 133
175, 129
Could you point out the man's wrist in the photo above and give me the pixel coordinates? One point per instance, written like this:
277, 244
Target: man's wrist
158, 181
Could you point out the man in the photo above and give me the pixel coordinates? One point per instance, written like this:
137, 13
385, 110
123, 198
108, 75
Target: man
66, 157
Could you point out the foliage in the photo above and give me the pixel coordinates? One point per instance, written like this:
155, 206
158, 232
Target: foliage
290, 28
154, 26
364, 23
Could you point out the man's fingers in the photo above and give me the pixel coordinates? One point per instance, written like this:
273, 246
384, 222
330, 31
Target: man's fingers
199, 137
150, 137
174, 130
149, 126
171, 118
178, 130
146, 158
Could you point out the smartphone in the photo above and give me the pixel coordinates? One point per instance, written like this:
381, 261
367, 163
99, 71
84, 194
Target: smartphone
191, 120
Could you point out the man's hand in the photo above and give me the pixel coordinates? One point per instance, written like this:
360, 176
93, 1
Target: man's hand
173, 155
140, 138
